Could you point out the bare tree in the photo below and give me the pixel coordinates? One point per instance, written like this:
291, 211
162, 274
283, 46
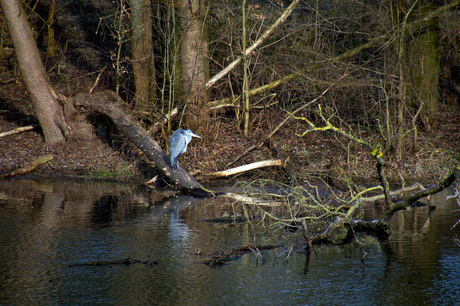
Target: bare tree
421, 59
44, 98
50, 22
194, 63
143, 60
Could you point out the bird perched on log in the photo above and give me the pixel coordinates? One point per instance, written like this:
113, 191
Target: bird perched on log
178, 143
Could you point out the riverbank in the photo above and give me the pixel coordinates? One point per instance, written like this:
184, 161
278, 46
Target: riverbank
314, 155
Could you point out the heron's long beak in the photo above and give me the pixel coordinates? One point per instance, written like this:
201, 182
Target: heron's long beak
194, 135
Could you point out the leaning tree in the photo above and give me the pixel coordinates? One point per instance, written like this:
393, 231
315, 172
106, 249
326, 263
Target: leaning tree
44, 99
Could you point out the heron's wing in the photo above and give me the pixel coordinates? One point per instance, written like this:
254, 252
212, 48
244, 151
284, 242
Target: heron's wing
177, 145
173, 141
182, 144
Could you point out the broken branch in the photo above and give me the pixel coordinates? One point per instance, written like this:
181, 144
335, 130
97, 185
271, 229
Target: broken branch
245, 168
17, 130
29, 167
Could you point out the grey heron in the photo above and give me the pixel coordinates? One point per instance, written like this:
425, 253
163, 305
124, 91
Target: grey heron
178, 143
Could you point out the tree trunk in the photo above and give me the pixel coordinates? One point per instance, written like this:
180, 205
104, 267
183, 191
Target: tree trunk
142, 55
194, 64
44, 98
423, 67
420, 59
50, 22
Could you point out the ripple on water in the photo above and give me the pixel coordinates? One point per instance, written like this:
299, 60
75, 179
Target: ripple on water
44, 227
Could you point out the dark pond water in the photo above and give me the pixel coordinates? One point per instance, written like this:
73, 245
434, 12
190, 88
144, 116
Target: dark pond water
47, 225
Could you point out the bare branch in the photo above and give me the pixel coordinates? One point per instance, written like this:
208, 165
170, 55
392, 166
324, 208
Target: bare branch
18, 130
245, 168
412, 26
251, 49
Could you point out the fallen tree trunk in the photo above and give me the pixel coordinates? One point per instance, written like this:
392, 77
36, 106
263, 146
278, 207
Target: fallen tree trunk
109, 104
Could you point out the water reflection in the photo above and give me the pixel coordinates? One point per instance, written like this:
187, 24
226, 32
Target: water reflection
421, 244
45, 225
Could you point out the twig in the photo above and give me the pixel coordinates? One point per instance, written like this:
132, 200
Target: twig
97, 79
251, 49
159, 123
256, 251
17, 130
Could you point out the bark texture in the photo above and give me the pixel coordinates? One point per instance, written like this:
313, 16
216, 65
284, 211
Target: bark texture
420, 59
194, 67
424, 66
143, 59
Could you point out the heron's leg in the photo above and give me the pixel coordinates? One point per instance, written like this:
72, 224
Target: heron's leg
177, 163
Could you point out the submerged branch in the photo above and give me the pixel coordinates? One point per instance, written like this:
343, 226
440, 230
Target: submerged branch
226, 258
125, 261
403, 204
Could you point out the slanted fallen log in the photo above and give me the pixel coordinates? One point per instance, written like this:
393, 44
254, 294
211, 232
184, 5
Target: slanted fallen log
111, 105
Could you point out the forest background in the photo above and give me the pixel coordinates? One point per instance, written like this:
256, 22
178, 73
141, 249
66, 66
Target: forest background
387, 72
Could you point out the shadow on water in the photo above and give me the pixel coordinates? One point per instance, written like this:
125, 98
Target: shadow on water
47, 225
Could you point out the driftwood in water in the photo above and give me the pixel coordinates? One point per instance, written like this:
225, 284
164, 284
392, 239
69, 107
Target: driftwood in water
111, 105
328, 237
29, 167
226, 258
342, 231
125, 261
395, 195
